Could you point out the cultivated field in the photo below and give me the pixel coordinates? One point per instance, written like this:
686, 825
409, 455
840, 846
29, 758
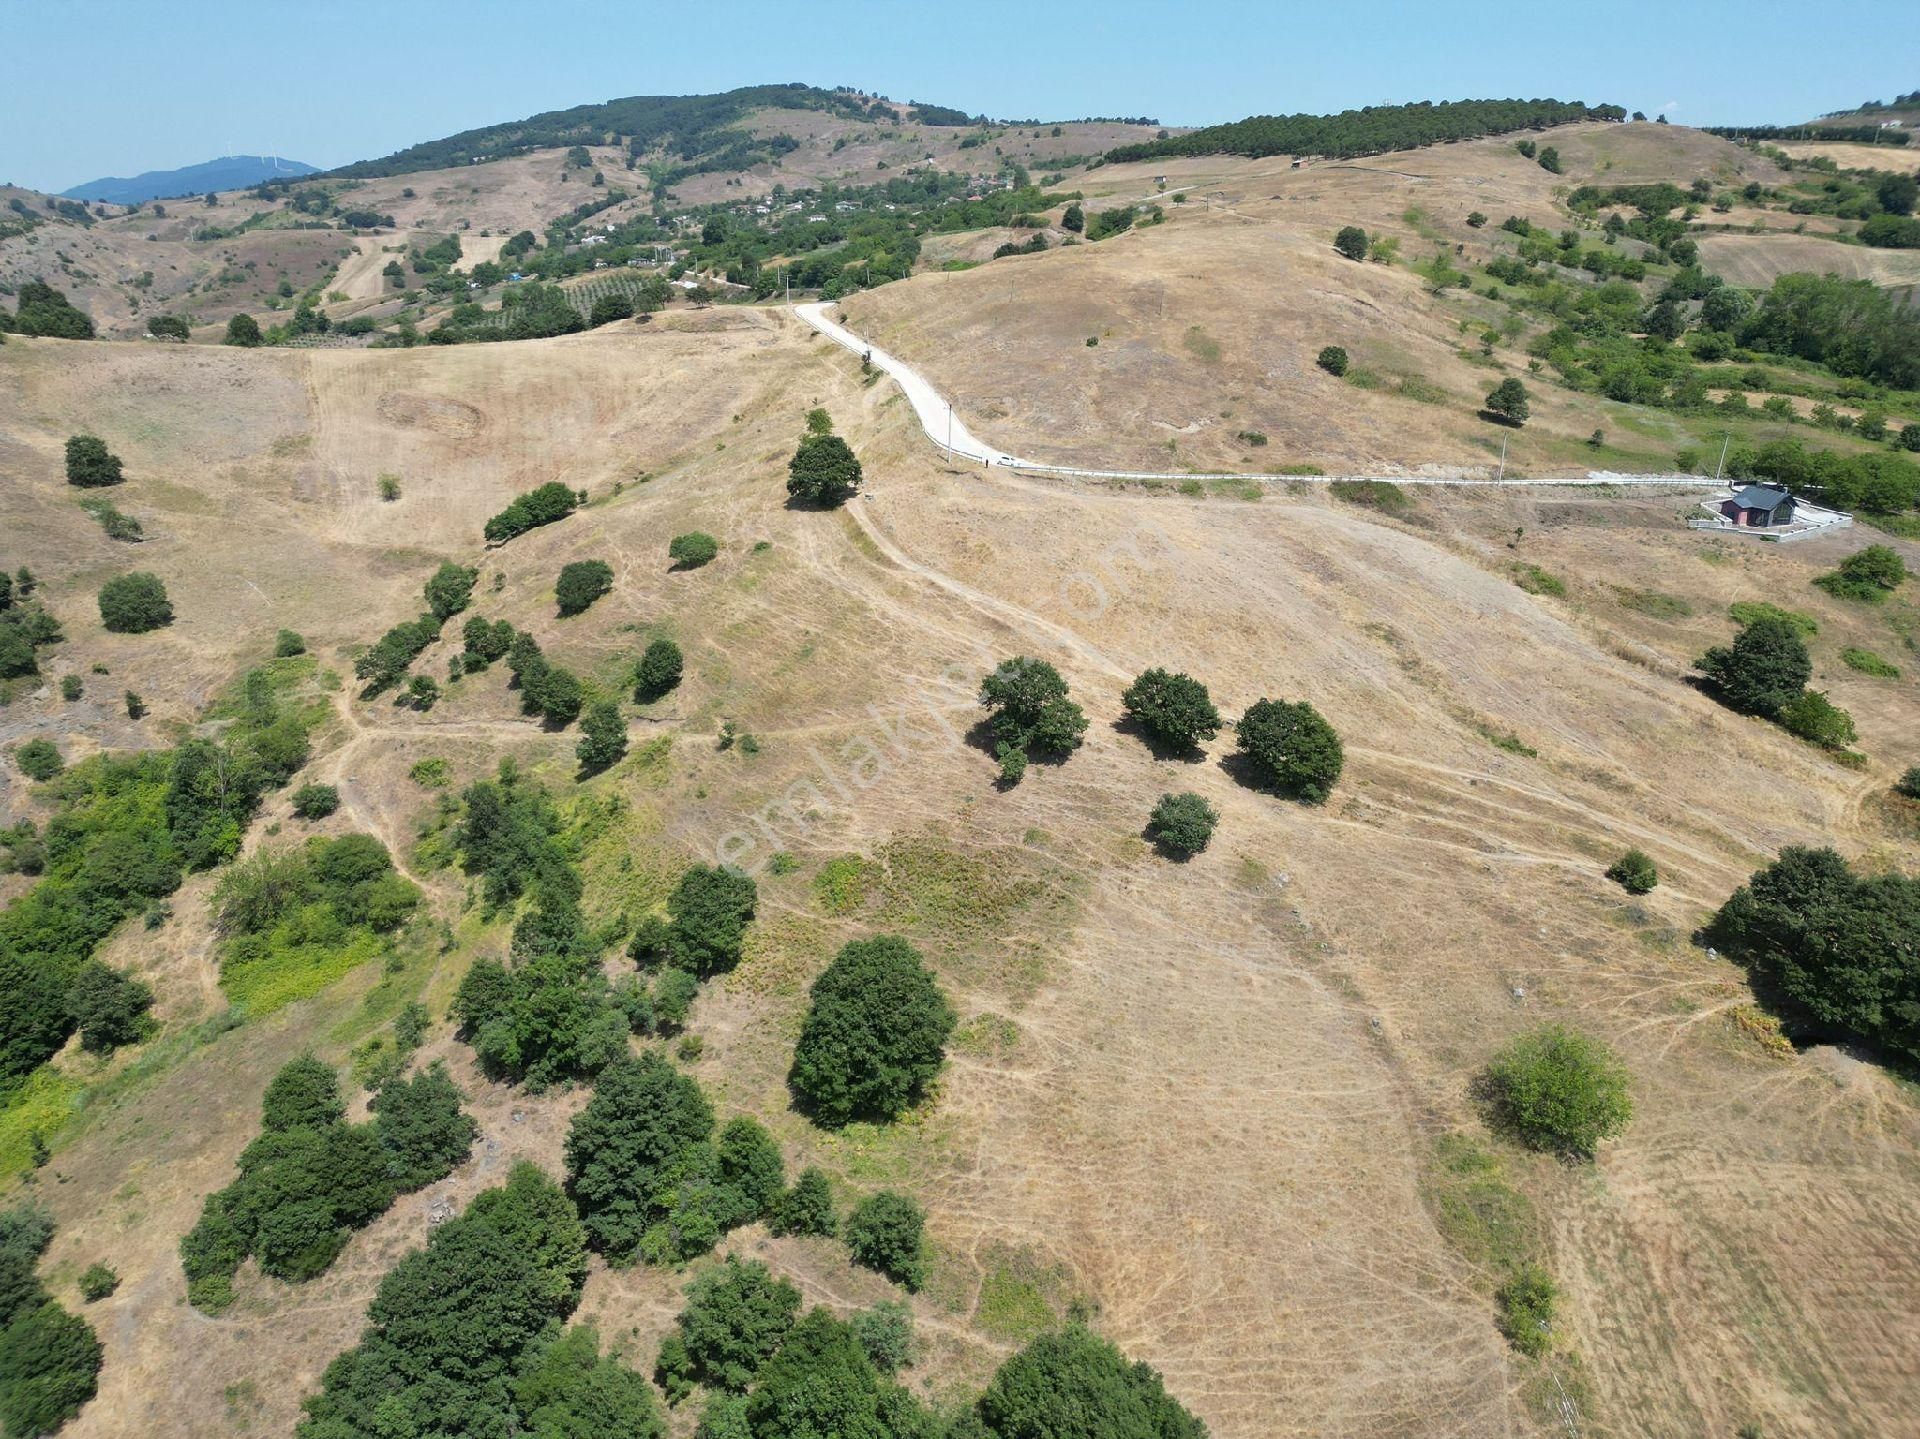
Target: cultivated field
1202, 1099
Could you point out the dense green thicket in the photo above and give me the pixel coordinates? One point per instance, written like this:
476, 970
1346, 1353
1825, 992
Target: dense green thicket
709, 911
464, 1336
384, 663
1853, 327
874, 1036
1557, 1089
649, 1180
42, 310
541, 506
49, 1359
690, 551
736, 1318
25, 627
311, 1179
1635, 872
1173, 708
1868, 575
1292, 747
1833, 947
1373, 130
285, 916
126, 829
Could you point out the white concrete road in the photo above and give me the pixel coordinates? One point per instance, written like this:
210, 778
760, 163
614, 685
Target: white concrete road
947, 431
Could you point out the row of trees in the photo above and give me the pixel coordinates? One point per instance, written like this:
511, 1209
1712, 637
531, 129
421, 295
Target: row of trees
1372, 130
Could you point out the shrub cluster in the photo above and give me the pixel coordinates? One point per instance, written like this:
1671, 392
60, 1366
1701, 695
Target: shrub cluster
91, 463
311, 1179
49, 1359
542, 506
1764, 672
1182, 824
1556, 1089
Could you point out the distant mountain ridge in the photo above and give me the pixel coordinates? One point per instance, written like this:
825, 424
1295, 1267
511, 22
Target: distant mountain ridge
229, 172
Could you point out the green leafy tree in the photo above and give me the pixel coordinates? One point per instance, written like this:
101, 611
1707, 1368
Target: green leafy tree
886, 1232
168, 327
1830, 946
90, 463
1075, 1385
109, 1008
568, 1389
736, 1318
1293, 748
1351, 242
134, 604
450, 589
1182, 824
1174, 708
1550, 160
581, 583
1764, 668
1813, 717
1634, 872
749, 1172
710, 908
689, 552
807, 1208
1332, 359
49, 1369
1073, 218
819, 422
658, 672
244, 331
886, 1333
1509, 402
303, 1094
603, 737
626, 1149
823, 471
1029, 710
1557, 1089
421, 1127
874, 1035
819, 1385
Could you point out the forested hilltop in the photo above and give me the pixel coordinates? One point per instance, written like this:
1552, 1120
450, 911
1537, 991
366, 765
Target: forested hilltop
1372, 130
695, 123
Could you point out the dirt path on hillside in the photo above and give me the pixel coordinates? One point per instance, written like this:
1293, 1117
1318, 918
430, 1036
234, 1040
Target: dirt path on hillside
359, 278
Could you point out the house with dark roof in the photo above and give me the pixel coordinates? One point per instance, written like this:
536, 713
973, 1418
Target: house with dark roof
1759, 507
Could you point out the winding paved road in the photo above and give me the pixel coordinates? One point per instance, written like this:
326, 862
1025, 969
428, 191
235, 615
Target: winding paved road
948, 432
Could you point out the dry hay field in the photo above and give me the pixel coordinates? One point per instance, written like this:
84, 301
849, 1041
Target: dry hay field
1902, 159
1162, 348
1203, 1099
1756, 261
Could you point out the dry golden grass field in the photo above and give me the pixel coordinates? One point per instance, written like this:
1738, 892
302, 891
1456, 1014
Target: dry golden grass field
1211, 1101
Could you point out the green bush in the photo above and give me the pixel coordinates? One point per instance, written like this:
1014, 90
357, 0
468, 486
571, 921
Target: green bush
1870, 575
1333, 360
1382, 495
689, 552
658, 672
98, 1282
1182, 824
875, 1034
1173, 708
1908, 785
287, 644
710, 909
38, 759
886, 1232
49, 1369
91, 463
1745, 612
1811, 716
244, 331
1869, 663
1634, 872
639, 1163
450, 589
1292, 748
545, 505
1556, 1089
1351, 242
315, 801
603, 737
1527, 1301
581, 583
823, 471
133, 604
886, 1333
807, 1208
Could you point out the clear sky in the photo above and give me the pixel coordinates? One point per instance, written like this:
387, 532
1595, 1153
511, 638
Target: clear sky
114, 87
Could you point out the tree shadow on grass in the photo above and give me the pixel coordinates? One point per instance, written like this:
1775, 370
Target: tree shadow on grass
1160, 749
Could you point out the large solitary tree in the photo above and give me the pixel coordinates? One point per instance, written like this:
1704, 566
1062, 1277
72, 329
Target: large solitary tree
823, 471
874, 1035
1295, 749
1762, 671
91, 463
1174, 708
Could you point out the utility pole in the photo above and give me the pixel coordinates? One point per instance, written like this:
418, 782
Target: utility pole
1503, 461
949, 426
1725, 440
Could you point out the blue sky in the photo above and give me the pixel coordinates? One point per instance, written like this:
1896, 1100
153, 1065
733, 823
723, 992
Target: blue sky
98, 87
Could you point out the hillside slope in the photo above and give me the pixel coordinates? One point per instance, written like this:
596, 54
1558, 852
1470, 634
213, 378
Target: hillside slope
1203, 1099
